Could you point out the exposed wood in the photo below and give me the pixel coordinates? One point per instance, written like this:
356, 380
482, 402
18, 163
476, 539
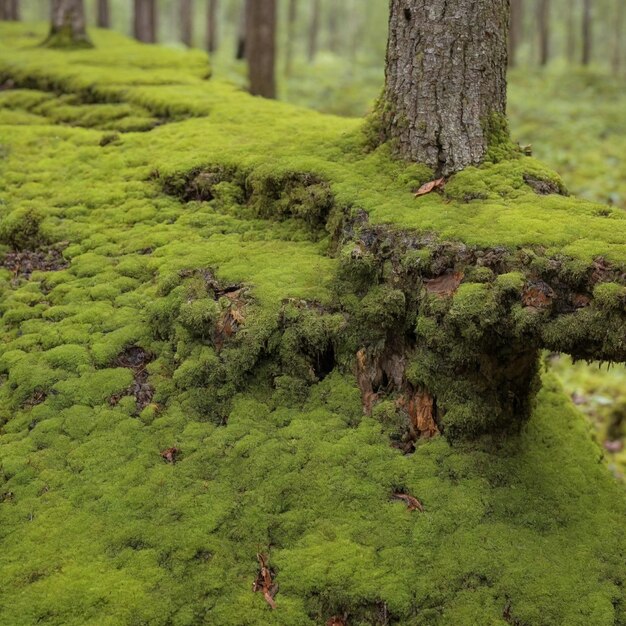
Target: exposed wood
103, 15
543, 29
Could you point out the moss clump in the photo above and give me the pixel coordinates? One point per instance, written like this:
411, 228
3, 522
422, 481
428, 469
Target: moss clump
21, 229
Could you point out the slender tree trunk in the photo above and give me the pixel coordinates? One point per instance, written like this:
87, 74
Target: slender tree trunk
616, 60
186, 22
261, 47
333, 27
314, 29
103, 14
211, 26
543, 26
586, 58
242, 29
10, 10
145, 21
292, 16
445, 80
68, 28
515, 31
571, 32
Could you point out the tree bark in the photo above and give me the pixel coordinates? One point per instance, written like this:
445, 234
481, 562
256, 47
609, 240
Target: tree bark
186, 22
314, 29
145, 21
543, 26
616, 60
515, 31
103, 15
67, 25
445, 80
292, 16
211, 26
240, 52
261, 47
586, 58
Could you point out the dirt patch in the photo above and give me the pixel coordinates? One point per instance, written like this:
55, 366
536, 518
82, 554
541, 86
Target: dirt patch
135, 359
544, 187
23, 263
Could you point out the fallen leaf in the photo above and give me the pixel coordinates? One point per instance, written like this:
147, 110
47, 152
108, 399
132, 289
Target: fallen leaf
335, 620
170, 454
264, 582
538, 295
439, 183
444, 285
413, 504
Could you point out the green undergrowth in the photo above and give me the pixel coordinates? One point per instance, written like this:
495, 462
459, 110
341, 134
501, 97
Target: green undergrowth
218, 249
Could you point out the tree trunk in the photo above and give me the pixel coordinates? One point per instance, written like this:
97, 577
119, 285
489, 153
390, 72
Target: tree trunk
515, 31
571, 32
242, 29
103, 15
334, 39
10, 10
445, 80
261, 47
586, 58
145, 21
186, 22
292, 16
543, 25
67, 25
314, 28
616, 61
211, 26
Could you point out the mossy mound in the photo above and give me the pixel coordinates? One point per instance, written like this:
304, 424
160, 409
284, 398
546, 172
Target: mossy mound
180, 395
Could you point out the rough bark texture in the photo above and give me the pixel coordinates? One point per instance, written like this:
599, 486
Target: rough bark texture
186, 22
314, 29
543, 27
261, 47
515, 30
586, 59
103, 17
292, 16
68, 26
211, 26
145, 21
445, 79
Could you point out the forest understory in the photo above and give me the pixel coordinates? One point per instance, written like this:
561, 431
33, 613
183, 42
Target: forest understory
248, 377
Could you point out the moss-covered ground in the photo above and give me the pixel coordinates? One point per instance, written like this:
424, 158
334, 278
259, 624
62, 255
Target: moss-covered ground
177, 394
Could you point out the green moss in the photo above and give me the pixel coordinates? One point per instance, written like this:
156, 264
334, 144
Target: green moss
275, 454
21, 228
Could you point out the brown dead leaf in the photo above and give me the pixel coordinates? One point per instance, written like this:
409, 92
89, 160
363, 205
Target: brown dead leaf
170, 454
433, 185
538, 295
580, 301
444, 285
264, 582
412, 503
336, 620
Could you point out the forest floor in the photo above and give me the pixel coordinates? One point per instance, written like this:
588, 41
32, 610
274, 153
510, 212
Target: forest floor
187, 275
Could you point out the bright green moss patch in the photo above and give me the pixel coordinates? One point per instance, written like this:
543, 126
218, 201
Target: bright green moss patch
219, 275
